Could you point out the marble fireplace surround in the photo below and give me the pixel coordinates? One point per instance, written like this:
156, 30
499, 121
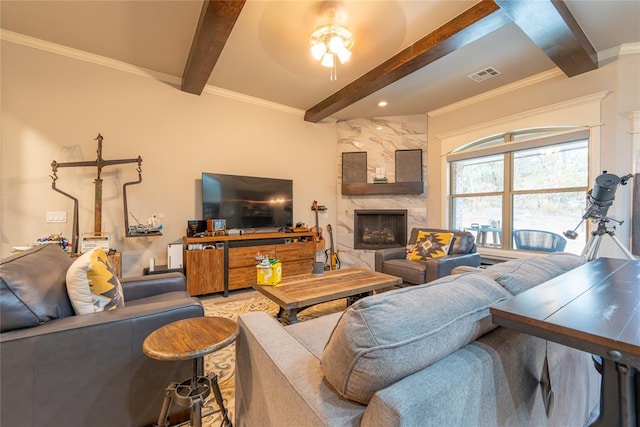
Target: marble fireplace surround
379, 138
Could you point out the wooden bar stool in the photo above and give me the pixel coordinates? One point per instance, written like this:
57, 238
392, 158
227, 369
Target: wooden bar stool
191, 339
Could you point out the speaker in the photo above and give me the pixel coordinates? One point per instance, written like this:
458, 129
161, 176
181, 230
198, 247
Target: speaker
409, 165
354, 167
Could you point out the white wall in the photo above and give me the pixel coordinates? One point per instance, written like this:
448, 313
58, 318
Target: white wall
54, 106
621, 78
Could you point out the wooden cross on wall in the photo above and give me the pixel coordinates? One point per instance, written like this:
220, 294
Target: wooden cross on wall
99, 163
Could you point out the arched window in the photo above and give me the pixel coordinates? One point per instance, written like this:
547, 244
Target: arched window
528, 179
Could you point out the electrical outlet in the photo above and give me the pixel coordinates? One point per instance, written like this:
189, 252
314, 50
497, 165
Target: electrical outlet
56, 217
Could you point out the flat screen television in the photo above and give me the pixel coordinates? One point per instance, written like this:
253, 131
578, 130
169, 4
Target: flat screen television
247, 202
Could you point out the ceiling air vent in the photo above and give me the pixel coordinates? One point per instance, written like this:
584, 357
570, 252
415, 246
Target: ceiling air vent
485, 74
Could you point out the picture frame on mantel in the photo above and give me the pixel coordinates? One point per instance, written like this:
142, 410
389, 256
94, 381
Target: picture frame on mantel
409, 165
354, 167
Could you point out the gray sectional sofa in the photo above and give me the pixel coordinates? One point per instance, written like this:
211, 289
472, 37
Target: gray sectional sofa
425, 355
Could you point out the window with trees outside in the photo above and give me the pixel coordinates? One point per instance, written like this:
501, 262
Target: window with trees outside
521, 190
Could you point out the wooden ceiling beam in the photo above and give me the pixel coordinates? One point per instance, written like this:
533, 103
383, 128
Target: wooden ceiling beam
217, 19
478, 21
552, 27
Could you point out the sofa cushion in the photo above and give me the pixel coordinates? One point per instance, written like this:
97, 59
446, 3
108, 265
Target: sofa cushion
518, 275
414, 272
92, 284
32, 287
429, 245
383, 338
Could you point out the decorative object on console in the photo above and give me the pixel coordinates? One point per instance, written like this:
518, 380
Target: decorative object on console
215, 225
196, 228
92, 284
269, 272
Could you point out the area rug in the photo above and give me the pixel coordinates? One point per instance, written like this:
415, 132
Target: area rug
222, 362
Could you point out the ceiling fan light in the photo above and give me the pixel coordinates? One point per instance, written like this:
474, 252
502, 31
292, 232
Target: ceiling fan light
343, 55
328, 60
336, 44
330, 44
318, 50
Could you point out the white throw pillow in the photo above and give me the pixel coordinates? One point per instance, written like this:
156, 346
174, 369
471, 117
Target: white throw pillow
92, 284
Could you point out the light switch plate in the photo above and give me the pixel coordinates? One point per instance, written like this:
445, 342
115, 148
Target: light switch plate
55, 217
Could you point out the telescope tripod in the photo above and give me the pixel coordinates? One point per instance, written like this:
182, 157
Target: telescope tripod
590, 251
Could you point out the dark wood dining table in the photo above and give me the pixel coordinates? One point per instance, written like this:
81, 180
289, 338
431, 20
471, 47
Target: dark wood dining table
594, 308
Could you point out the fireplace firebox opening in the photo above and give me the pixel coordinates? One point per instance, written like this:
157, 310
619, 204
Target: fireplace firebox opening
379, 228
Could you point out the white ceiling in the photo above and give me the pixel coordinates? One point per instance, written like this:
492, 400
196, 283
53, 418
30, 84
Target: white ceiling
267, 54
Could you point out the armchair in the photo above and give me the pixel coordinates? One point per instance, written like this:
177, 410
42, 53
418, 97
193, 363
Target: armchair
59, 368
462, 252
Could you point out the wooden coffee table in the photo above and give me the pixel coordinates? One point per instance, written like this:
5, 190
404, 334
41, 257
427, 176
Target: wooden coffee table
296, 293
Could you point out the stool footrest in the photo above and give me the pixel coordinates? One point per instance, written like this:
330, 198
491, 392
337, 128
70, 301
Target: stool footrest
192, 392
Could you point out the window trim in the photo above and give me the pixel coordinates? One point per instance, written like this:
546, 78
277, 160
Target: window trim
524, 144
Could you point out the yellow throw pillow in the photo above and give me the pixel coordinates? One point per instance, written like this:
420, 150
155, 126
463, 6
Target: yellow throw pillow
92, 284
430, 245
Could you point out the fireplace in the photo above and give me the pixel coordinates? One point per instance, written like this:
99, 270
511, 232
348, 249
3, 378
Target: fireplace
379, 228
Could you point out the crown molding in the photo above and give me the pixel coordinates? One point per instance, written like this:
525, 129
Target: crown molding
91, 58
214, 90
616, 52
81, 55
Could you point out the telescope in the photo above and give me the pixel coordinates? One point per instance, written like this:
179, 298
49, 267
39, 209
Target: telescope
602, 194
600, 199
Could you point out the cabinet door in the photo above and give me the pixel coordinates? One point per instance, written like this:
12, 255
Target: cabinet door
296, 251
242, 264
246, 256
205, 271
295, 268
240, 278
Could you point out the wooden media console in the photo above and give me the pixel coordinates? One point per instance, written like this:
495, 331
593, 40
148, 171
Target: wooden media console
231, 264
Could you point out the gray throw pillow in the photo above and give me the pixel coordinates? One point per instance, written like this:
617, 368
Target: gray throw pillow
521, 274
384, 338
